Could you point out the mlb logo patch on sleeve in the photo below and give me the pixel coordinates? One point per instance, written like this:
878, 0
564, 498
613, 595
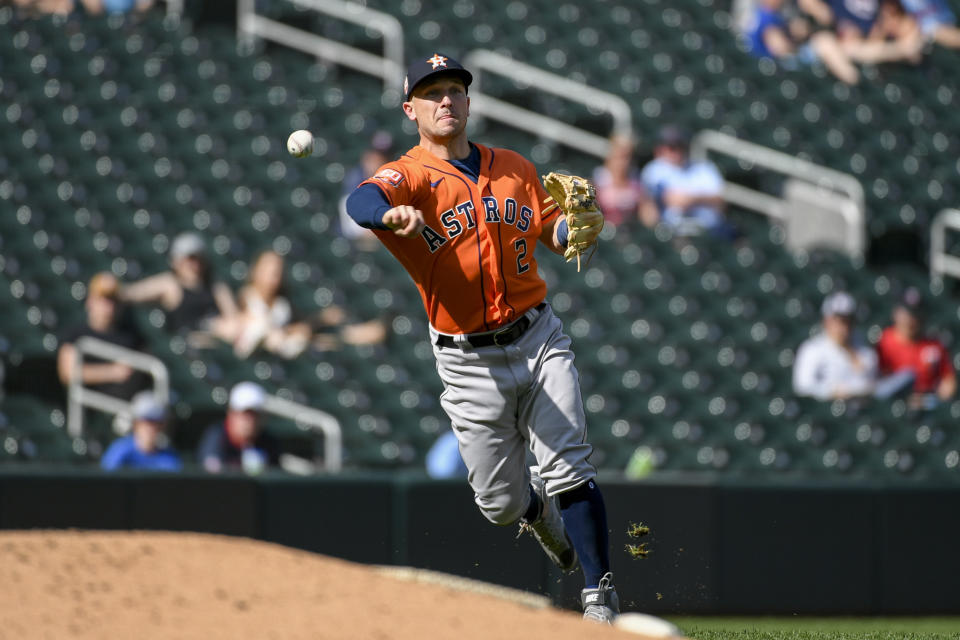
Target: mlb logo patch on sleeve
391, 176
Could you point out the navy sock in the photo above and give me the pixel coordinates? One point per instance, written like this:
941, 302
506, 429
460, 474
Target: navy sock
585, 518
533, 511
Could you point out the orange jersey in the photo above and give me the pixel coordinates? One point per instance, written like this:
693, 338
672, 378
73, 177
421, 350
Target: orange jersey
473, 262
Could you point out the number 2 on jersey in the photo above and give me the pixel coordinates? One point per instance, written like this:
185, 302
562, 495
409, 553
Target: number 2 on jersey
520, 244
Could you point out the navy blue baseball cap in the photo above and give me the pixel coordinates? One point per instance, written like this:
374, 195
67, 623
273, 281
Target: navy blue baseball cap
672, 135
427, 67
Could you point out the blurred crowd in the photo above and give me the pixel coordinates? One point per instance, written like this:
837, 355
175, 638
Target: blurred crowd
683, 195
840, 34
837, 364
686, 196
205, 311
89, 7
237, 442
669, 190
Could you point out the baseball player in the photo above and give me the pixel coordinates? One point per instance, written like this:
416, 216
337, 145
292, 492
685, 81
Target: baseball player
464, 220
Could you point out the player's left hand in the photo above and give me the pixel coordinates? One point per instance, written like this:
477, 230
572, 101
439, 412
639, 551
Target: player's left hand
577, 199
405, 221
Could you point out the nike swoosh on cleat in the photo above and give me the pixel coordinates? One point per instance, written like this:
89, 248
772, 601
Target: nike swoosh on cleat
433, 185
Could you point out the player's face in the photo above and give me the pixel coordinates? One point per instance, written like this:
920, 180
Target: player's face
373, 160
906, 323
189, 268
268, 274
146, 434
839, 328
673, 153
620, 157
440, 108
101, 312
244, 425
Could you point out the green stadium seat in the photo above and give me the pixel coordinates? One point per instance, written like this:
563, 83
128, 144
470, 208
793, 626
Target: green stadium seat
700, 336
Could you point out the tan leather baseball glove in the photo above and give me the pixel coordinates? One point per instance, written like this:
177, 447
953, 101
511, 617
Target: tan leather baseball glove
577, 199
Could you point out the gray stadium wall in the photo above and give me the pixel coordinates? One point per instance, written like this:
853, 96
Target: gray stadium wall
719, 546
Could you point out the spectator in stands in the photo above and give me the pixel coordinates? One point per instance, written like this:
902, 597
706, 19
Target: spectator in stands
378, 153
105, 321
845, 16
861, 38
933, 20
145, 446
620, 190
43, 7
266, 316
903, 347
444, 459
834, 364
97, 7
193, 299
239, 442
774, 29
688, 195
90, 7
895, 23
333, 330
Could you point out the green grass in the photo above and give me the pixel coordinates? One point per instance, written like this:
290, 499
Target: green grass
802, 628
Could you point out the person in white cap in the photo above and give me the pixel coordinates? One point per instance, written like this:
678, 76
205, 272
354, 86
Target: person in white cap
189, 293
833, 364
239, 442
145, 446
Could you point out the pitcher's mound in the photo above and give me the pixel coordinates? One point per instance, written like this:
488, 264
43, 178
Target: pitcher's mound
81, 585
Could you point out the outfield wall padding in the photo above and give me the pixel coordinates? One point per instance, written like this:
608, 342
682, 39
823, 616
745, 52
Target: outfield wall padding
718, 545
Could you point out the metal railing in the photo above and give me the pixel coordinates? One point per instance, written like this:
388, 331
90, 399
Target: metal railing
388, 66
480, 61
840, 192
174, 7
315, 419
941, 261
79, 396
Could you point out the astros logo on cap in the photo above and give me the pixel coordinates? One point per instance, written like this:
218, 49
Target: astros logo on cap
437, 61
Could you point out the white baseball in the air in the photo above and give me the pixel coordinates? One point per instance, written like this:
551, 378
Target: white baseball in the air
643, 624
300, 143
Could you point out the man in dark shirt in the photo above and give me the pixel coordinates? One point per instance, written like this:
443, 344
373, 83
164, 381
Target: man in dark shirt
105, 321
239, 443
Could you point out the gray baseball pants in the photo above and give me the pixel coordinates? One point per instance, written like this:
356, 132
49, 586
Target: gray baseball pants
503, 400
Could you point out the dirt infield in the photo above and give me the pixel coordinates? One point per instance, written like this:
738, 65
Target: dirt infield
145, 586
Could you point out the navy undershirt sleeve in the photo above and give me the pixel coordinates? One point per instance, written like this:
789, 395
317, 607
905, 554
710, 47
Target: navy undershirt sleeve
366, 205
563, 232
